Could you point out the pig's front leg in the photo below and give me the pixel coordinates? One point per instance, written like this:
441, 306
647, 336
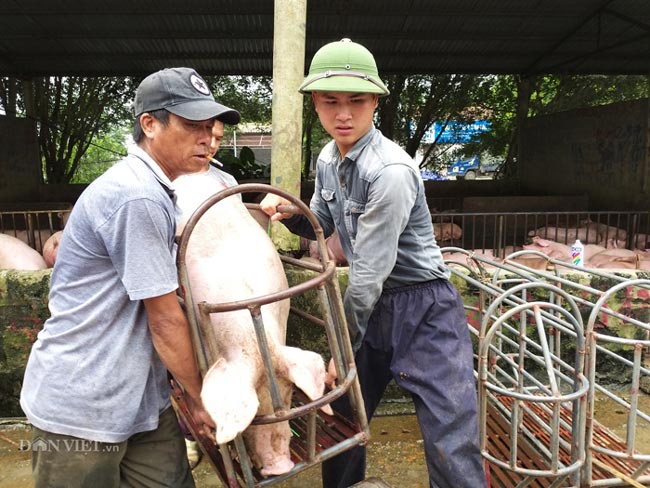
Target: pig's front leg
306, 370
229, 396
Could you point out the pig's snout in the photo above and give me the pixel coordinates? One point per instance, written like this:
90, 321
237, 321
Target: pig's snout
278, 466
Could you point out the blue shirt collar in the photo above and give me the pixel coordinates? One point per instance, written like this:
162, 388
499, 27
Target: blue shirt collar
353, 153
138, 152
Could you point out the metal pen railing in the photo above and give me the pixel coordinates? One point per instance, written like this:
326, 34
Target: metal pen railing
503, 232
528, 321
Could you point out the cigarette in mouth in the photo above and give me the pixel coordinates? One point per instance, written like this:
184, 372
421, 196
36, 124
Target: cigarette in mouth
218, 163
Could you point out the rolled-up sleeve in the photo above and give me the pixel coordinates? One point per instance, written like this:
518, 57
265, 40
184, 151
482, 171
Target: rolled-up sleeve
390, 200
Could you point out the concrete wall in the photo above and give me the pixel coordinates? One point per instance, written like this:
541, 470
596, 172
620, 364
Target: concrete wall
602, 152
23, 310
24, 299
19, 161
21, 185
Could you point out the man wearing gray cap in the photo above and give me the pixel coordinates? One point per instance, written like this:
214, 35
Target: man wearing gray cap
95, 386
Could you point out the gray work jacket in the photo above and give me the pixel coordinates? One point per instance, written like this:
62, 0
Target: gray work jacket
375, 199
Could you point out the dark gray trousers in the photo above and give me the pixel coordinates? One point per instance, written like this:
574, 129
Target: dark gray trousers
153, 459
418, 336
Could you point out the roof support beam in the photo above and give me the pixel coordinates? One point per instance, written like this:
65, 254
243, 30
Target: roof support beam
290, 22
531, 67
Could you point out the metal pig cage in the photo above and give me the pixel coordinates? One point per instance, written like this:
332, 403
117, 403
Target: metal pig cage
499, 231
546, 347
317, 436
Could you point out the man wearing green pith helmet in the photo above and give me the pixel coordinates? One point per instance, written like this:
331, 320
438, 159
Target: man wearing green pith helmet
406, 319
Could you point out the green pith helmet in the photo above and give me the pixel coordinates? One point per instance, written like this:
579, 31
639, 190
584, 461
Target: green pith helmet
343, 66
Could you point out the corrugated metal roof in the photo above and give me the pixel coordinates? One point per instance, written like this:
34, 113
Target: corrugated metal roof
127, 37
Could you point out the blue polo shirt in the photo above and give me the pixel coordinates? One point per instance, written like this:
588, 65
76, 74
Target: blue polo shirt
93, 371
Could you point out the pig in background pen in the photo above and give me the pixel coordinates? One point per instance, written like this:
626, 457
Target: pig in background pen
16, 254
605, 244
617, 241
29, 239
230, 258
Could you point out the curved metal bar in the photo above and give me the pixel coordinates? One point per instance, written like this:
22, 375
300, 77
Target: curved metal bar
334, 322
511, 343
599, 305
273, 297
329, 397
579, 383
491, 311
593, 348
579, 367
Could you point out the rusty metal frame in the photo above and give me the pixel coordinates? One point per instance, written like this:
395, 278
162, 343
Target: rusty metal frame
234, 466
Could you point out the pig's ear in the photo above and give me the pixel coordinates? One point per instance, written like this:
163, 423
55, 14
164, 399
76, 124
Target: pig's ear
307, 371
229, 396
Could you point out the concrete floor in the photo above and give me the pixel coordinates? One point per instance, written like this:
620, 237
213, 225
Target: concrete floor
395, 452
395, 455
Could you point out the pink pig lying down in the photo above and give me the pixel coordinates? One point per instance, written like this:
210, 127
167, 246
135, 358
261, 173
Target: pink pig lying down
596, 256
588, 232
15, 254
229, 258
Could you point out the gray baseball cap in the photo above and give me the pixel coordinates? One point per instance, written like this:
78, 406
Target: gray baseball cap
182, 92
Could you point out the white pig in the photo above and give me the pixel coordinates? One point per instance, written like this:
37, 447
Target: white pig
15, 254
229, 258
613, 258
40, 236
51, 248
447, 231
334, 250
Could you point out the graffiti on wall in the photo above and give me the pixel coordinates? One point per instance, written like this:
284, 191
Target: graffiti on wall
609, 152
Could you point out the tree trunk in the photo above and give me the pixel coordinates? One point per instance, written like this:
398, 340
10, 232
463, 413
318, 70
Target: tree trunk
511, 167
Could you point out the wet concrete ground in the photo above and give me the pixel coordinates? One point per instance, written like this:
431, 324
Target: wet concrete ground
395, 455
395, 452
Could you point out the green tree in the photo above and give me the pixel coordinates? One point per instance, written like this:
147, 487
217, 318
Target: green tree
105, 150
10, 101
70, 112
501, 97
250, 95
81, 121
559, 93
417, 101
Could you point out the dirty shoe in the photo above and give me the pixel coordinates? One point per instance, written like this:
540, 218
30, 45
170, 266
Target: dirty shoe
194, 454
